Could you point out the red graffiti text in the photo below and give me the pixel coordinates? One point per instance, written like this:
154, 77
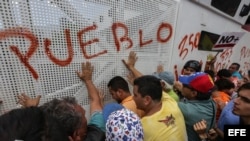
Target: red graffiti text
188, 43
34, 43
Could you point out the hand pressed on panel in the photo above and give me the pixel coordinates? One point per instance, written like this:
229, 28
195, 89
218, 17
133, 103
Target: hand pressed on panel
160, 68
132, 58
87, 70
26, 101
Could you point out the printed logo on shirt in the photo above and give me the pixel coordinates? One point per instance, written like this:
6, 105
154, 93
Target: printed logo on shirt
170, 120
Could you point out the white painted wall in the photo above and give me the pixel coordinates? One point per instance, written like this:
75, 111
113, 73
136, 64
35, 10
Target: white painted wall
192, 19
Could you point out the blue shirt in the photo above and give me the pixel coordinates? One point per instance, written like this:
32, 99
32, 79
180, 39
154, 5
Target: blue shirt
227, 116
237, 74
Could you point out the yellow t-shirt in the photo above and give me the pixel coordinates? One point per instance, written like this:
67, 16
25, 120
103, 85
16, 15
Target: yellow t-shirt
165, 125
129, 103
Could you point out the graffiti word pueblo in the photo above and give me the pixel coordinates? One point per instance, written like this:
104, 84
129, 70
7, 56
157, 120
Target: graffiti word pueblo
34, 43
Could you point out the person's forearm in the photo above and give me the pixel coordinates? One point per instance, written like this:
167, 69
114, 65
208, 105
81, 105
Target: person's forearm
95, 101
135, 72
92, 91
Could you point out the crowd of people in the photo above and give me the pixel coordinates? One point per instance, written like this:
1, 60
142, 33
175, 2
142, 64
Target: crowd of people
194, 107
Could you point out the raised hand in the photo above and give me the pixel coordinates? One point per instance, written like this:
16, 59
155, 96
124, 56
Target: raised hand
160, 68
94, 97
132, 58
87, 70
26, 101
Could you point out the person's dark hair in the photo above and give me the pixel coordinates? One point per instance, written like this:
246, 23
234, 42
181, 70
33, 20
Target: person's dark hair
223, 84
245, 86
63, 110
201, 96
23, 124
223, 73
54, 131
30, 124
149, 85
210, 73
118, 82
193, 64
236, 64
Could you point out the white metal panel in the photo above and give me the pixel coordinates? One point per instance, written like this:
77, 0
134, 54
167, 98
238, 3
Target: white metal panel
33, 25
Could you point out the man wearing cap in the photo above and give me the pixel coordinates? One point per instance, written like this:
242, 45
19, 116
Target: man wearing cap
197, 89
190, 67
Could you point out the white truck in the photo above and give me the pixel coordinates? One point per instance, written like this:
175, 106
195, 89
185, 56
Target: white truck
43, 42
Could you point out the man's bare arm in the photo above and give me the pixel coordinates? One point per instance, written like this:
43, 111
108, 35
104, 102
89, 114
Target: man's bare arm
86, 76
130, 64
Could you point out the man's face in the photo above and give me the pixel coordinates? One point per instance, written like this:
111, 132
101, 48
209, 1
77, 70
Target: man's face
82, 131
232, 68
188, 71
187, 92
242, 103
138, 98
115, 95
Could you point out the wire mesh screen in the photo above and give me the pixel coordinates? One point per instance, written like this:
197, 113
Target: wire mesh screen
43, 43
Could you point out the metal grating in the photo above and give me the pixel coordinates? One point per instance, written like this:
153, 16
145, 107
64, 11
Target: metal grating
42, 43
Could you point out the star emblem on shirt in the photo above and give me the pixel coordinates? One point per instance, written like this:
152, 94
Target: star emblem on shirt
169, 120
